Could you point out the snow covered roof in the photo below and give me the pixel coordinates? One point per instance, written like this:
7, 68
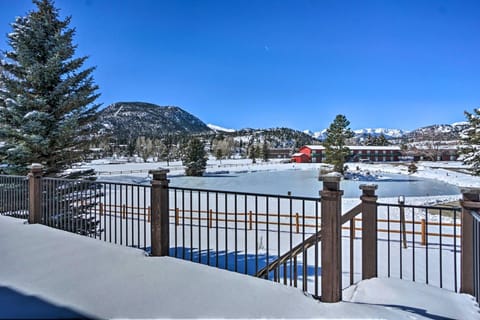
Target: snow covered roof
393, 148
298, 154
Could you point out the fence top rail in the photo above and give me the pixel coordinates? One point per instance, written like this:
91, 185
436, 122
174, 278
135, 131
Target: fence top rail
250, 194
96, 182
412, 206
13, 176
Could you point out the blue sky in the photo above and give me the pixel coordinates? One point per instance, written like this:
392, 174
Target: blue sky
398, 64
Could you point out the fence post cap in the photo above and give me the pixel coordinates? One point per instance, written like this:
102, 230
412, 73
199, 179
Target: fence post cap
36, 168
332, 176
331, 182
368, 186
470, 190
159, 174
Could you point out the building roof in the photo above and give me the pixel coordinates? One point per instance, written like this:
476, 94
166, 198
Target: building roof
298, 154
393, 148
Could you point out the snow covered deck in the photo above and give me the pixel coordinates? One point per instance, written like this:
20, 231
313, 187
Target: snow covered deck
50, 273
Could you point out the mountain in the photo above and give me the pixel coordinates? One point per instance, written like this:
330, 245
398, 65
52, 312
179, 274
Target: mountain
438, 132
388, 133
127, 120
443, 132
361, 134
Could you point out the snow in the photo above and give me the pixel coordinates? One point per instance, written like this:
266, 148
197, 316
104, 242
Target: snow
441, 171
218, 128
90, 278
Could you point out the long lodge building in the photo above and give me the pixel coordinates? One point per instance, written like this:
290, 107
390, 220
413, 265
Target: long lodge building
316, 154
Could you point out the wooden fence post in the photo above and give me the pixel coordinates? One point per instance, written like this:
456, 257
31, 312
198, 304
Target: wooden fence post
210, 218
297, 223
160, 220
250, 219
423, 225
149, 214
331, 245
369, 231
101, 209
35, 192
177, 217
470, 202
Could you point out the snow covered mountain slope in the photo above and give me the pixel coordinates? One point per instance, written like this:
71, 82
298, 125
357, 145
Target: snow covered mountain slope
133, 119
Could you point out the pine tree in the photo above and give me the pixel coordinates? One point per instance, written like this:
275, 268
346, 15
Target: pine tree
47, 112
382, 140
47, 102
265, 152
471, 138
370, 140
252, 153
412, 168
336, 151
195, 159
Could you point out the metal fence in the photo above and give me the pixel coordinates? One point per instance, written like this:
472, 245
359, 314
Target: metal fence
112, 212
14, 196
276, 237
476, 255
422, 243
244, 232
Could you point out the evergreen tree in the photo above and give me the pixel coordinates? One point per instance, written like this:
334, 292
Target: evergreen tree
412, 168
381, 140
219, 154
47, 111
471, 138
265, 154
195, 158
336, 151
47, 102
253, 153
370, 140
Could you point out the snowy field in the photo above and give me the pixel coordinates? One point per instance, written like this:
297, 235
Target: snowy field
84, 277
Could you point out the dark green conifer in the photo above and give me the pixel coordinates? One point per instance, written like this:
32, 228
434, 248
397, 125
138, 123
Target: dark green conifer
47, 98
336, 151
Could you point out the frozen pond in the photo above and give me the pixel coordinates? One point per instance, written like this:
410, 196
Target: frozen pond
305, 183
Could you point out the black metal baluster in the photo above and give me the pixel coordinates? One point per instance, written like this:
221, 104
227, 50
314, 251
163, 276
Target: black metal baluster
199, 228
216, 229
317, 204
176, 220
236, 232
191, 225
426, 245
441, 249
226, 229
413, 243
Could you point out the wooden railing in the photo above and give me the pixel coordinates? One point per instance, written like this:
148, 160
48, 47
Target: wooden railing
299, 221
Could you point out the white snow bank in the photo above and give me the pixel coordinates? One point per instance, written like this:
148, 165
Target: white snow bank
416, 298
51, 273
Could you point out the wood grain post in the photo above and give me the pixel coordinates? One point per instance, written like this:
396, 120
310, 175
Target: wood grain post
470, 202
403, 226
331, 205
369, 231
35, 193
297, 223
160, 220
423, 225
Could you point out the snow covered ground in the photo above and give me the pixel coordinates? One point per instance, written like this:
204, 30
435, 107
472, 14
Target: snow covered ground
53, 274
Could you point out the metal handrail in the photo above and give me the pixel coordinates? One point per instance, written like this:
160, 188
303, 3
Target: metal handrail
308, 243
